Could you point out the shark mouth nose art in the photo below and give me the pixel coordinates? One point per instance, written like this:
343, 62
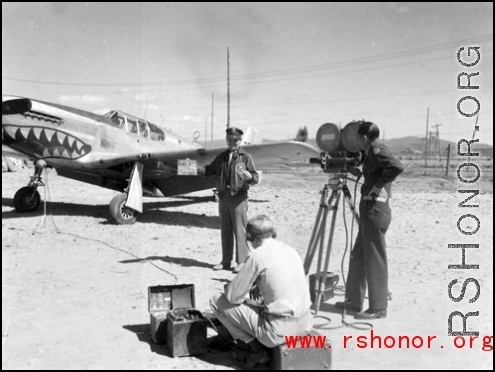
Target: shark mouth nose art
45, 142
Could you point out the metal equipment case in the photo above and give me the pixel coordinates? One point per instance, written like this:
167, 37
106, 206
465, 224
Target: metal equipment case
330, 284
299, 358
159, 304
161, 300
186, 332
174, 320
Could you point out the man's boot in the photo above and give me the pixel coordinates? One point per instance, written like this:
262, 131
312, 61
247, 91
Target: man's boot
257, 355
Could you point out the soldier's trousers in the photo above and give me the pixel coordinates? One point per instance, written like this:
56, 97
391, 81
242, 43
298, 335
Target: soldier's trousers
247, 322
368, 263
232, 210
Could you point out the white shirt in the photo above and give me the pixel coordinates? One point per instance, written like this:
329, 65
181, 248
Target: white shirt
278, 271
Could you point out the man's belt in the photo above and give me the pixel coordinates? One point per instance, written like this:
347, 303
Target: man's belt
374, 198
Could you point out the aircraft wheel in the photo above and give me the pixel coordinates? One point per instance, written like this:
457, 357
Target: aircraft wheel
27, 199
120, 213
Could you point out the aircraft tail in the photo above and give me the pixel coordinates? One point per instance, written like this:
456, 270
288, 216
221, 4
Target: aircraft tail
252, 137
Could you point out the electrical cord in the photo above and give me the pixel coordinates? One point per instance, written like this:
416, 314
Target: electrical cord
352, 235
47, 190
355, 325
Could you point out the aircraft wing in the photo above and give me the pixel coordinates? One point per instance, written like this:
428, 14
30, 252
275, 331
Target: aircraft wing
266, 153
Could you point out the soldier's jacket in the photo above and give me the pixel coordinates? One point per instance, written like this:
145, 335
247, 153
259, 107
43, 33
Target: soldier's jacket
380, 169
226, 175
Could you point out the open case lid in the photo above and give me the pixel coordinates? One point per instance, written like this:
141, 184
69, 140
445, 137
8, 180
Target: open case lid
168, 297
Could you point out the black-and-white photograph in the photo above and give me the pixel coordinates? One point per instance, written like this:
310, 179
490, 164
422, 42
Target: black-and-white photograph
285, 186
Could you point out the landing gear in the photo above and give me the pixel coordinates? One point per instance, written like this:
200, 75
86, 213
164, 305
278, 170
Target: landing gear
125, 207
120, 213
27, 199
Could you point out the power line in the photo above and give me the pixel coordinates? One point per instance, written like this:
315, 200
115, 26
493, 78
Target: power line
337, 100
249, 83
305, 69
244, 83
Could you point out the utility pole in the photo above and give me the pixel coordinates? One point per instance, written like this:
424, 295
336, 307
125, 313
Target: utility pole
431, 139
448, 161
211, 120
426, 139
206, 131
437, 142
228, 89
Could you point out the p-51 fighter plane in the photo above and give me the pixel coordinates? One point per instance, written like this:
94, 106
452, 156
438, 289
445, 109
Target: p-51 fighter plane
117, 151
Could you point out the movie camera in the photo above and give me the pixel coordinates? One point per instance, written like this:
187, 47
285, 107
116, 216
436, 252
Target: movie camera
340, 149
341, 155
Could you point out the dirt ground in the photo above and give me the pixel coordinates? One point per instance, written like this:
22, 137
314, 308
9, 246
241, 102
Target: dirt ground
74, 293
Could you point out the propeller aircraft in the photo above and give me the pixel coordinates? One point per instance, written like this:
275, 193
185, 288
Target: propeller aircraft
116, 151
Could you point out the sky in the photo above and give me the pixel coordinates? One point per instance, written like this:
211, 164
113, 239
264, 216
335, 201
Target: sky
291, 65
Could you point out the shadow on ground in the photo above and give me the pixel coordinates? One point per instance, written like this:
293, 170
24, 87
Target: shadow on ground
186, 262
143, 334
153, 213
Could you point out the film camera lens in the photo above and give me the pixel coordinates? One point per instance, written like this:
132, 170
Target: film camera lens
330, 138
340, 147
348, 136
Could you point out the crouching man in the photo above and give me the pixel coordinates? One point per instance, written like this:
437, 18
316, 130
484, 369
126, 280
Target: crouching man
269, 298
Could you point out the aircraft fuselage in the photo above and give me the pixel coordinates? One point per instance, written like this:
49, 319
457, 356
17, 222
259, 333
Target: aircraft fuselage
79, 140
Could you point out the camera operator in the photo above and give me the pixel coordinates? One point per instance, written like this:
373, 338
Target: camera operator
368, 262
280, 301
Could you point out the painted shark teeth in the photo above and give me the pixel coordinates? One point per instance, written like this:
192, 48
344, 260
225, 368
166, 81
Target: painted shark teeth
25, 132
45, 142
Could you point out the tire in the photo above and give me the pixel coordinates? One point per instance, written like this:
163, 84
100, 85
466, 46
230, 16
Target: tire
120, 213
27, 199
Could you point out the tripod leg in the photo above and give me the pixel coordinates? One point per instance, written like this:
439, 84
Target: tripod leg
314, 242
321, 240
321, 277
315, 236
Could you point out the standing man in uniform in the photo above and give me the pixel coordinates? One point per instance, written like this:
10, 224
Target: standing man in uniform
368, 263
235, 172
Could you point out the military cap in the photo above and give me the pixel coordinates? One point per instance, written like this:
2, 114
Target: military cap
233, 131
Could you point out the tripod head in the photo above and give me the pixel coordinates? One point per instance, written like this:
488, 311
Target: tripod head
336, 181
